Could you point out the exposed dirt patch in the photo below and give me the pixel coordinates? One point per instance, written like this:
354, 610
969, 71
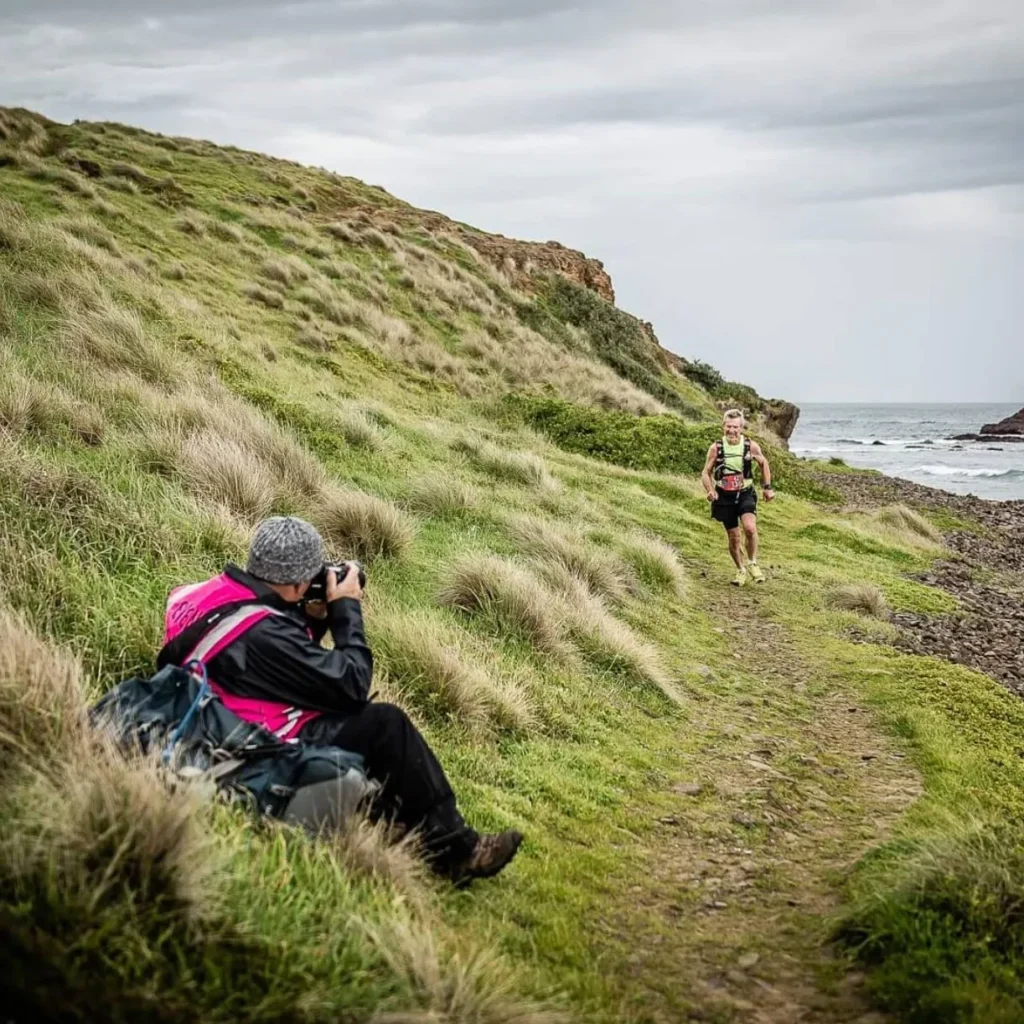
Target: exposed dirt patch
793, 783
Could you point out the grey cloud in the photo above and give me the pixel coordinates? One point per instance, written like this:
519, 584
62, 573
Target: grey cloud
731, 161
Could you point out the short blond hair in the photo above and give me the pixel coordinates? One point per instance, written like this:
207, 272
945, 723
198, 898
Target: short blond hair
734, 414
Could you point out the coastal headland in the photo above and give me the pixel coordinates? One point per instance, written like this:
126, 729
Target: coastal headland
800, 801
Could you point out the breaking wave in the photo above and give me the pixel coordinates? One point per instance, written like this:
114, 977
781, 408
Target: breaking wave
969, 471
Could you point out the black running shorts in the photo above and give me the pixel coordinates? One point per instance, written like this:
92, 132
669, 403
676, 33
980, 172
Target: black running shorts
727, 508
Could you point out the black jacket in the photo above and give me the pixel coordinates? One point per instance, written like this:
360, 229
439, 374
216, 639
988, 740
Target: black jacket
277, 660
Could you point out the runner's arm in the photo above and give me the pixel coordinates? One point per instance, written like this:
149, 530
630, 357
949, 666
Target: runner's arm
766, 471
705, 476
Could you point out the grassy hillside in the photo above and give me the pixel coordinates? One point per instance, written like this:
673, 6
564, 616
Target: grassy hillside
194, 337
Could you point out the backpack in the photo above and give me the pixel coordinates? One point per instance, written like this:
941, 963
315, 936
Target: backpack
176, 714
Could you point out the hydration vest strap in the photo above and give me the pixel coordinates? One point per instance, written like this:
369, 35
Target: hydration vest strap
748, 465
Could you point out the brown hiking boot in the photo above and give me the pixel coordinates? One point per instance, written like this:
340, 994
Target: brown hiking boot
492, 852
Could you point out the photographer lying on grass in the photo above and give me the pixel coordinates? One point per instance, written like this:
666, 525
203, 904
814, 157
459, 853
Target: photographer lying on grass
268, 666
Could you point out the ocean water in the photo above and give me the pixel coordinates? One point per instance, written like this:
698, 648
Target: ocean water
914, 442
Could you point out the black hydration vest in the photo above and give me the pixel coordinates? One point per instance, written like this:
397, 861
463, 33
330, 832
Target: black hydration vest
748, 462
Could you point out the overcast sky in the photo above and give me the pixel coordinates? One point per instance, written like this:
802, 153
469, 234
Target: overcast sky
824, 198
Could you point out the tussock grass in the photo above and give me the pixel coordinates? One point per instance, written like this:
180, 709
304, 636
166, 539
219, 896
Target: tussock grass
67, 179
41, 699
522, 357
466, 987
295, 469
360, 431
287, 270
90, 230
192, 223
862, 598
343, 231
226, 231
104, 209
516, 467
117, 338
222, 470
440, 494
307, 337
86, 422
943, 926
16, 231
656, 563
123, 185
439, 676
905, 523
115, 838
264, 296
513, 597
29, 405
129, 171
604, 573
363, 526
182, 433
25, 404
602, 638
336, 306
375, 850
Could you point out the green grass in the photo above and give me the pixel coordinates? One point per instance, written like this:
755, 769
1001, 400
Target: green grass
546, 591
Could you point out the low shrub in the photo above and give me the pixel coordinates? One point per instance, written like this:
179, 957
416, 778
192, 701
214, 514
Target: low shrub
663, 443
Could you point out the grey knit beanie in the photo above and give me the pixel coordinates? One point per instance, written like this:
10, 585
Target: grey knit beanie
285, 549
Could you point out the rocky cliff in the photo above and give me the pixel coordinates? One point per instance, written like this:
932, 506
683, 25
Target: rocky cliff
1012, 425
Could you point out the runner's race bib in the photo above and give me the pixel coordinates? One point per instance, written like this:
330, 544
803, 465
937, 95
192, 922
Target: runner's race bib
731, 482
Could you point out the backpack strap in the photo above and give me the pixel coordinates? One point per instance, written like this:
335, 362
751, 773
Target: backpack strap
202, 694
227, 630
208, 636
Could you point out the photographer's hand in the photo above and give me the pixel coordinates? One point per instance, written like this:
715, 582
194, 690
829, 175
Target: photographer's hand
348, 586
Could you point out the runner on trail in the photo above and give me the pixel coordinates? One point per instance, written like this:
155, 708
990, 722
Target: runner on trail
730, 463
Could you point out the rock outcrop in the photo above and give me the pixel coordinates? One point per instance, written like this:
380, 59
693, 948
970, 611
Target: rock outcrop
780, 417
523, 259
1011, 425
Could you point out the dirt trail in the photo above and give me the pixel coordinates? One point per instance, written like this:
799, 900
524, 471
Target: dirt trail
793, 781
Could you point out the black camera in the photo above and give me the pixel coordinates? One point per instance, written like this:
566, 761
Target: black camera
318, 587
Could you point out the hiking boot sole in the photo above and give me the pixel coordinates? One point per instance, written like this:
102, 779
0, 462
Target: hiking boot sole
493, 869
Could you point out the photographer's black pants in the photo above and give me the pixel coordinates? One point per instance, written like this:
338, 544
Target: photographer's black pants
415, 792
